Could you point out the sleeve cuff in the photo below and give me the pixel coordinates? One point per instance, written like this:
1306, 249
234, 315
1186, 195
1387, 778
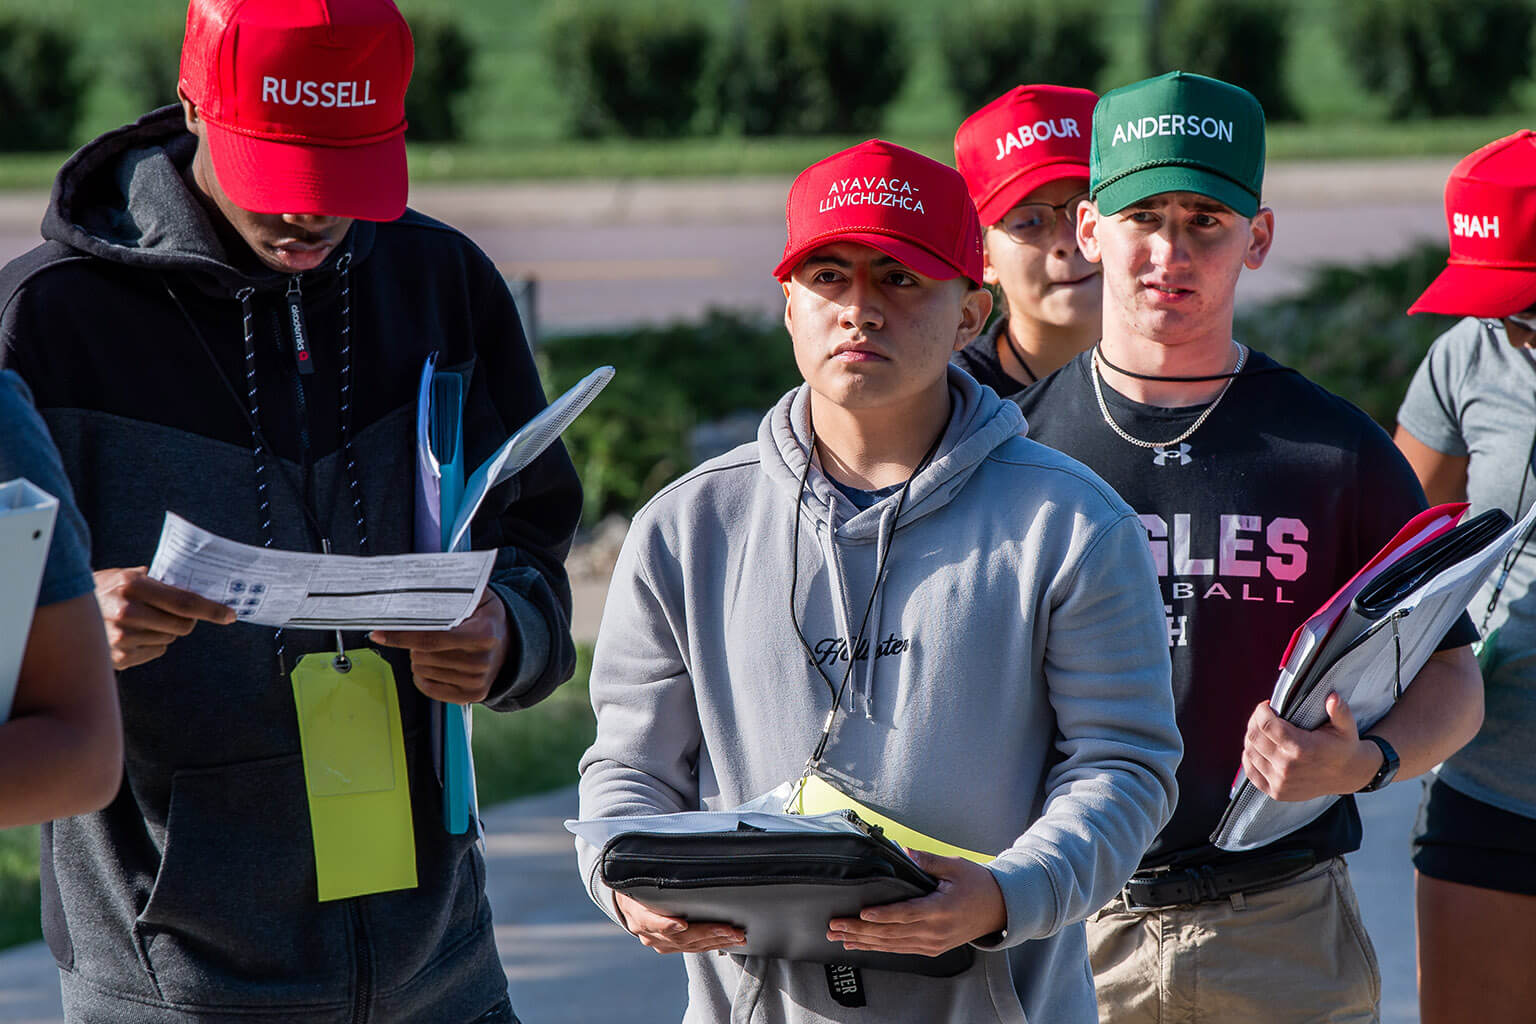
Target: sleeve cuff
1029, 899
528, 645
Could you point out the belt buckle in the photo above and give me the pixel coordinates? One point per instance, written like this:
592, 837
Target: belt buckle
1204, 878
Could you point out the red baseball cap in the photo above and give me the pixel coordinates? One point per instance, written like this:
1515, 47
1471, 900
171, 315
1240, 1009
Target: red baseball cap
1029, 136
909, 207
304, 102
1490, 211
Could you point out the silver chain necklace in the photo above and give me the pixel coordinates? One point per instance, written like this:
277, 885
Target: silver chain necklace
1098, 392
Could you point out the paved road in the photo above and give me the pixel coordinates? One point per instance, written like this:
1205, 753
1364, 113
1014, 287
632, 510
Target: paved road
612, 253
567, 964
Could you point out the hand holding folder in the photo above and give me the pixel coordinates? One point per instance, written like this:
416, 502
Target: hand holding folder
1369, 642
446, 503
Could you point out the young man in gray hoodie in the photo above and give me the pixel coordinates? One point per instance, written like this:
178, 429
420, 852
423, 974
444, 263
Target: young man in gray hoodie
977, 613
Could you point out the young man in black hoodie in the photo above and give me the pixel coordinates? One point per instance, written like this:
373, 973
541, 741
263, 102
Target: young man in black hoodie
228, 320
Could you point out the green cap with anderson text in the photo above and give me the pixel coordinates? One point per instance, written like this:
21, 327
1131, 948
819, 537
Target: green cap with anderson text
1177, 132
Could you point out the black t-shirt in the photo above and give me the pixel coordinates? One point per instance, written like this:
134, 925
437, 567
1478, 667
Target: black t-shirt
979, 359
1255, 521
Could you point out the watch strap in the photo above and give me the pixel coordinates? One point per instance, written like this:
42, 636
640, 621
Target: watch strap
1389, 764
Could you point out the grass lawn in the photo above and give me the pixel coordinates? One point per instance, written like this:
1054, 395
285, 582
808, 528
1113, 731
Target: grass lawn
527, 752
514, 110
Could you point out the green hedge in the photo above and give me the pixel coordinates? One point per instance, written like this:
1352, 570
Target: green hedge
41, 84
1239, 41
1438, 58
635, 437
628, 69
994, 45
809, 67
1350, 332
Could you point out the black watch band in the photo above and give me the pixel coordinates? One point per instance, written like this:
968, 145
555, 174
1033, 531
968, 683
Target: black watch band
1389, 765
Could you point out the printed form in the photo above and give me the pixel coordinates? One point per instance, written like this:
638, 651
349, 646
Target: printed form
295, 590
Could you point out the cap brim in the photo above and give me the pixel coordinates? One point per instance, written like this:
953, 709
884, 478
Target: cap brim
1464, 289
366, 182
1138, 185
1017, 189
906, 253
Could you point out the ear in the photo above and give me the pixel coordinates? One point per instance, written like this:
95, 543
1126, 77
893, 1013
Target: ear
1087, 231
974, 310
189, 113
988, 271
789, 320
1261, 237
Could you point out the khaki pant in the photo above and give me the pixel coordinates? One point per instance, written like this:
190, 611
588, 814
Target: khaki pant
1294, 953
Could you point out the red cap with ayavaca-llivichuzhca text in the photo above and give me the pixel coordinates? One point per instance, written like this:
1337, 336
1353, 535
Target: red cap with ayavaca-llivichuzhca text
303, 102
1490, 212
913, 209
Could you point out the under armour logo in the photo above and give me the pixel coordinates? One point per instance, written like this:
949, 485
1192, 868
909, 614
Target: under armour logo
1160, 456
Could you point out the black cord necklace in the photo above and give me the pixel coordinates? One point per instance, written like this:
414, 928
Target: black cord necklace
794, 585
1098, 350
1018, 353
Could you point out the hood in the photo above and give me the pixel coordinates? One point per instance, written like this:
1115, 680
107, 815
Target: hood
125, 197
979, 421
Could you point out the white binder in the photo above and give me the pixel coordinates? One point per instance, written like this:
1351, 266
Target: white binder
26, 526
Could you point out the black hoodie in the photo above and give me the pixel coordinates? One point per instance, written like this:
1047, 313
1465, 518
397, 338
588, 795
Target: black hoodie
192, 896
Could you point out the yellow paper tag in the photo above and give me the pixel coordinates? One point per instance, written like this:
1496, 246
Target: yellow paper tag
815, 795
355, 775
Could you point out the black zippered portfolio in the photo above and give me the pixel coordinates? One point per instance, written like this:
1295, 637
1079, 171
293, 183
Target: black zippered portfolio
780, 887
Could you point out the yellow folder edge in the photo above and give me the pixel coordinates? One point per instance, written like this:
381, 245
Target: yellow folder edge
814, 795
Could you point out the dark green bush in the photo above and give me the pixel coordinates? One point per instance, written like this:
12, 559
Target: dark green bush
1239, 41
628, 69
41, 86
993, 45
443, 72
151, 63
1349, 330
635, 436
809, 67
1440, 58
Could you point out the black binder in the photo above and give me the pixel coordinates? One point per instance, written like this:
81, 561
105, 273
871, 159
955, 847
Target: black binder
780, 887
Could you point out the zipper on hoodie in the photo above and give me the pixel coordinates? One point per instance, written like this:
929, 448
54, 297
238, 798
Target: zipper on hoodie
363, 958
298, 332
298, 327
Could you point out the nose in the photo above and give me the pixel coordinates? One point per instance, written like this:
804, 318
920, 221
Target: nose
861, 306
1170, 248
316, 223
1064, 240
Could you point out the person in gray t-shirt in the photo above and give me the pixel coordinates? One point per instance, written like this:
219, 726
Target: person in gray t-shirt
61, 751
1468, 428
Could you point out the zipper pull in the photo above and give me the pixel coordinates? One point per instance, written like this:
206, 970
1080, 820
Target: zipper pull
300, 329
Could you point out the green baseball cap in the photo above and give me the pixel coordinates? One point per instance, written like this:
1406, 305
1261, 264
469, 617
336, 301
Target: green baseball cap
1177, 133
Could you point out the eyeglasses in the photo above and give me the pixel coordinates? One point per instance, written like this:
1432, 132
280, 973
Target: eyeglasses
1035, 223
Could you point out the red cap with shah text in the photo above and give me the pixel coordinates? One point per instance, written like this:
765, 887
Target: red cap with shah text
1490, 211
911, 208
1029, 136
303, 102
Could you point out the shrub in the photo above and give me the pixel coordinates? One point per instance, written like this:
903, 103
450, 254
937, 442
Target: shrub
992, 46
152, 64
1349, 331
628, 69
41, 87
1438, 58
809, 67
442, 74
634, 438
1239, 41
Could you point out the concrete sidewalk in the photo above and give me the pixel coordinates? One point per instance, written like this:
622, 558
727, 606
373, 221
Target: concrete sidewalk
568, 964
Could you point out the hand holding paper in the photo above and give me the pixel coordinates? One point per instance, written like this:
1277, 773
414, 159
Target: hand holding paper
144, 616
457, 666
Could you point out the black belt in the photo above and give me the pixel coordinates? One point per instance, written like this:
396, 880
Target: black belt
1174, 887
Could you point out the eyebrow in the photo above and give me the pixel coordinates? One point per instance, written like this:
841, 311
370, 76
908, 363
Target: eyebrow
881, 262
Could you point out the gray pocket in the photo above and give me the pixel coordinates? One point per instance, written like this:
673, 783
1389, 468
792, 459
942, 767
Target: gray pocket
233, 918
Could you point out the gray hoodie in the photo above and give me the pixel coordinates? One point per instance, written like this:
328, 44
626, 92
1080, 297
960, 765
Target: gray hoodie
1014, 695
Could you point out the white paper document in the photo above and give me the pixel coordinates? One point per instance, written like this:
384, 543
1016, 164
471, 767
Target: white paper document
26, 526
295, 590
765, 813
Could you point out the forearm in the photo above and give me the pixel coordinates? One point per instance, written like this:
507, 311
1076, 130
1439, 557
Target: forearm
54, 767
1437, 715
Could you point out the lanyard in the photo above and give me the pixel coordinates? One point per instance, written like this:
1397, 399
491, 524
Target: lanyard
794, 581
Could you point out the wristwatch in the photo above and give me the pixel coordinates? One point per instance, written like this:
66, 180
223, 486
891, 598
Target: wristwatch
1389, 764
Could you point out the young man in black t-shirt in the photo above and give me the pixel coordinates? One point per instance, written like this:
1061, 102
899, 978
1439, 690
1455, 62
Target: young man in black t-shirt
1261, 494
